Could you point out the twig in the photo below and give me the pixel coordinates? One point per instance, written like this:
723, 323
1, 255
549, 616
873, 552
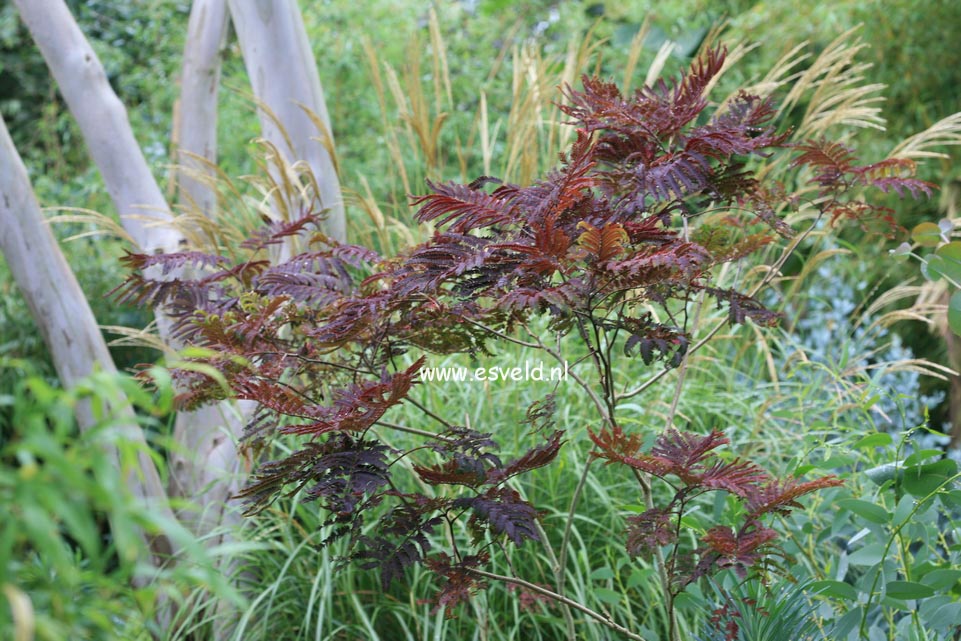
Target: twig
565, 541
413, 430
560, 598
598, 403
500, 335
559, 576
683, 368
775, 269
659, 561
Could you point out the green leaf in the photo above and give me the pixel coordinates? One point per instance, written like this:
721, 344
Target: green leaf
945, 617
908, 590
870, 511
602, 574
926, 235
946, 262
954, 313
904, 509
942, 579
878, 439
951, 498
901, 252
922, 455
639, 577
836, 589
609, 597
922, 480
868, 555
882, 473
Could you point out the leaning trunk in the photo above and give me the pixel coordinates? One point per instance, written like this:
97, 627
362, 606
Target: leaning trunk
64, 316
103, 122
195, 121
293, 113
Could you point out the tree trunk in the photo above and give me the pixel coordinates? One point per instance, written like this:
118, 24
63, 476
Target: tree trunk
206, 470
195, 123
63, 314
284, 77
103, 121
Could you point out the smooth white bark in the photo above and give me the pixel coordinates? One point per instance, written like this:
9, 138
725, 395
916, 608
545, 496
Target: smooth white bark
103, 122
196, 121
206, 468
61, 311
284, 77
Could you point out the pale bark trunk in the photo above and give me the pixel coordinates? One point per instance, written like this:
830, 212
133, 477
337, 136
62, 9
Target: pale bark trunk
195, 132
284, 78
63, 314
206, 469
103, 121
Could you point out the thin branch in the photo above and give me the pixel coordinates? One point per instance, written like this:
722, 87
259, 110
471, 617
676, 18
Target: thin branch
556, 355
775, 269
414, 430
569, 523
500, 335
659, 562
683, 367
429, 413
597, 616
558, 579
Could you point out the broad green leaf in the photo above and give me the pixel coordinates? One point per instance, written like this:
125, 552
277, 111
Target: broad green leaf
878, 439
868, 555
942, 579
836, 461
954, 313
848, 622
836, 589
922, 455
602, 574
904, 509
926, 235
609, 597
901, 252
933, 268
639, 577
882, 473
946, 262
951, 498
864, 509
908, 590
921, 480
946, 616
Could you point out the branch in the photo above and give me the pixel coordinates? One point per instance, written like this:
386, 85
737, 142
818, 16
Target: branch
768, 277
597, 616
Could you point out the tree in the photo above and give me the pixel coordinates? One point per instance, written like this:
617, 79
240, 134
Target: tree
295, 127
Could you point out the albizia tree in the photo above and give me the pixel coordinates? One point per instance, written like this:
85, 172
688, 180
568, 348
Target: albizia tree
616, 250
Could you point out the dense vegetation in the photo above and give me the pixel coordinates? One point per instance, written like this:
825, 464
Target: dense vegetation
808, 366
